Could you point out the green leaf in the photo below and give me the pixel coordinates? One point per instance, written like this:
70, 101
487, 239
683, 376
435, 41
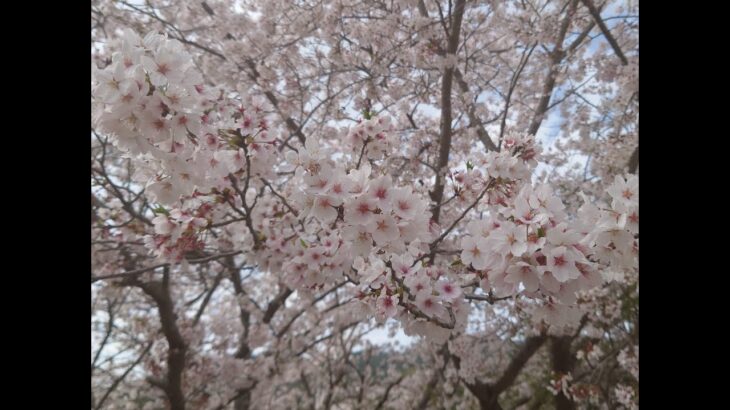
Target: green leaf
304, 244
161, 210
469, 165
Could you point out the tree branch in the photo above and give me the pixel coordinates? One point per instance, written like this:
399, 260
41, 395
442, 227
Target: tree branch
159, 291
518, 362
276, 303
606, 33
556, 57
445, 136
140, 271
124, 375
634, 161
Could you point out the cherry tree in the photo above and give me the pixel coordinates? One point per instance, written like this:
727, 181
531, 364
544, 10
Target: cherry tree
272, 181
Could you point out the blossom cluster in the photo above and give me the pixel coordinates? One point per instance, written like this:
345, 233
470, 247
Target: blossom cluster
183, 135
629, 360
529, 246
176, 232
627, 396
372, 136
345, 219
370, 231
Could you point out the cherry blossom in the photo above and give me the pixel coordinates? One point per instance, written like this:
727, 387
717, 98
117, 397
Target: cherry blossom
272, 183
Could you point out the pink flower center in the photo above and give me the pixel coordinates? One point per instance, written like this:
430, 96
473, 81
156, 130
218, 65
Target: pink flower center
559, 260
163, 69
363, 208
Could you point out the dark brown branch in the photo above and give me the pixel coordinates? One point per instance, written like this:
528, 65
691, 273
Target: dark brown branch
159, 291
488, 394
512, 86
286, 327
582, 36
471, 113
383, 399
520, 402
362, 152
254, 76
488, 298
242, 194
276, 303
207, 298
290, 123
563, 362
634, 161
556, 57
428, 391
474, 121
606, 33
411, 308
129, 273
207, 8
326, 337
126, 205
124, 375
518, 362
443, 235
140, 271
109, 328
446, 115
283, 200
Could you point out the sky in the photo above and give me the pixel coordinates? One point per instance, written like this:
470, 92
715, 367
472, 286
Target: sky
380, 336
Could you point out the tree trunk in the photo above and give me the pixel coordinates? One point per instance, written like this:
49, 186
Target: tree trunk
492, 404
243, 402
563, 363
